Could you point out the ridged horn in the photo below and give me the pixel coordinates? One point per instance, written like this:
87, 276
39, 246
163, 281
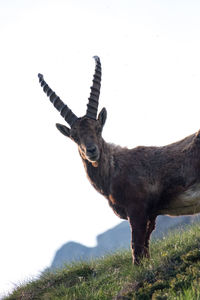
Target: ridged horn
64, 110
92, 106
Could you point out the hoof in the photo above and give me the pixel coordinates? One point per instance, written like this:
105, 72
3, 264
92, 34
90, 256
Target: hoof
136, 261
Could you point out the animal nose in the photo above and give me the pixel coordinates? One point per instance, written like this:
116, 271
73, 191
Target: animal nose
91, 149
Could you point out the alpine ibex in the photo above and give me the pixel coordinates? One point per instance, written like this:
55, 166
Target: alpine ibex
139, 183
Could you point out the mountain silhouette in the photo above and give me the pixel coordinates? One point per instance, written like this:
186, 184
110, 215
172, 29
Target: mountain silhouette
114, 239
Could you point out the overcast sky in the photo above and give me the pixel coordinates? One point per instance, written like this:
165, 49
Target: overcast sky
150, 54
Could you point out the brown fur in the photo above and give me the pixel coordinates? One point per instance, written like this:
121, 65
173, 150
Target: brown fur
143, 182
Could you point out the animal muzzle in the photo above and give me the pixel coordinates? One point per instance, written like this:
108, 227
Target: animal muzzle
92, 152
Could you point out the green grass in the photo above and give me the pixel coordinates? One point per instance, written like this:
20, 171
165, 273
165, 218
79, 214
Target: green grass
173, 272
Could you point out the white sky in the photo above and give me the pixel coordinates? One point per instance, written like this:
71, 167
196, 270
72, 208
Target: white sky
150, 53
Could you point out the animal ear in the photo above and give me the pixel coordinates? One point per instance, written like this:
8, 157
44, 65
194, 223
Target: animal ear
102, 116
63, 129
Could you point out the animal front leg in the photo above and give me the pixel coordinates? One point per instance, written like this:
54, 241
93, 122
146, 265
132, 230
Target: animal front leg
138, 233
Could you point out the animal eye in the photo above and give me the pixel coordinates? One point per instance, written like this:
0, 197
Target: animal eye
99, 129
75, 138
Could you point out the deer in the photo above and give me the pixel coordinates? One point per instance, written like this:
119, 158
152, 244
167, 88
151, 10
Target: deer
139, 183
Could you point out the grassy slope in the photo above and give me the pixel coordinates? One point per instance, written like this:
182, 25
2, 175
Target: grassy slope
172, 273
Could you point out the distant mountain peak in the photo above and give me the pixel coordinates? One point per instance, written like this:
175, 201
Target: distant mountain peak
113, 239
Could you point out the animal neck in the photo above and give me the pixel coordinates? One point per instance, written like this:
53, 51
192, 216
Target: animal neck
99, 173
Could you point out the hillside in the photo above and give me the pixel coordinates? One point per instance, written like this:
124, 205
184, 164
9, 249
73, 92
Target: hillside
116, 238
172, 273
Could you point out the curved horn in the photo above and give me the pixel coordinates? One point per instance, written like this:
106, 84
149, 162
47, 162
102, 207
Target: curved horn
64, 110
92, 105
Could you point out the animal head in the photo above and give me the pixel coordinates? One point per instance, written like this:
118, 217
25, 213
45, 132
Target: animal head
84, 131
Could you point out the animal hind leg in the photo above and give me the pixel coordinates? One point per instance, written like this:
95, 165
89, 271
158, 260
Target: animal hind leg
150, 227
